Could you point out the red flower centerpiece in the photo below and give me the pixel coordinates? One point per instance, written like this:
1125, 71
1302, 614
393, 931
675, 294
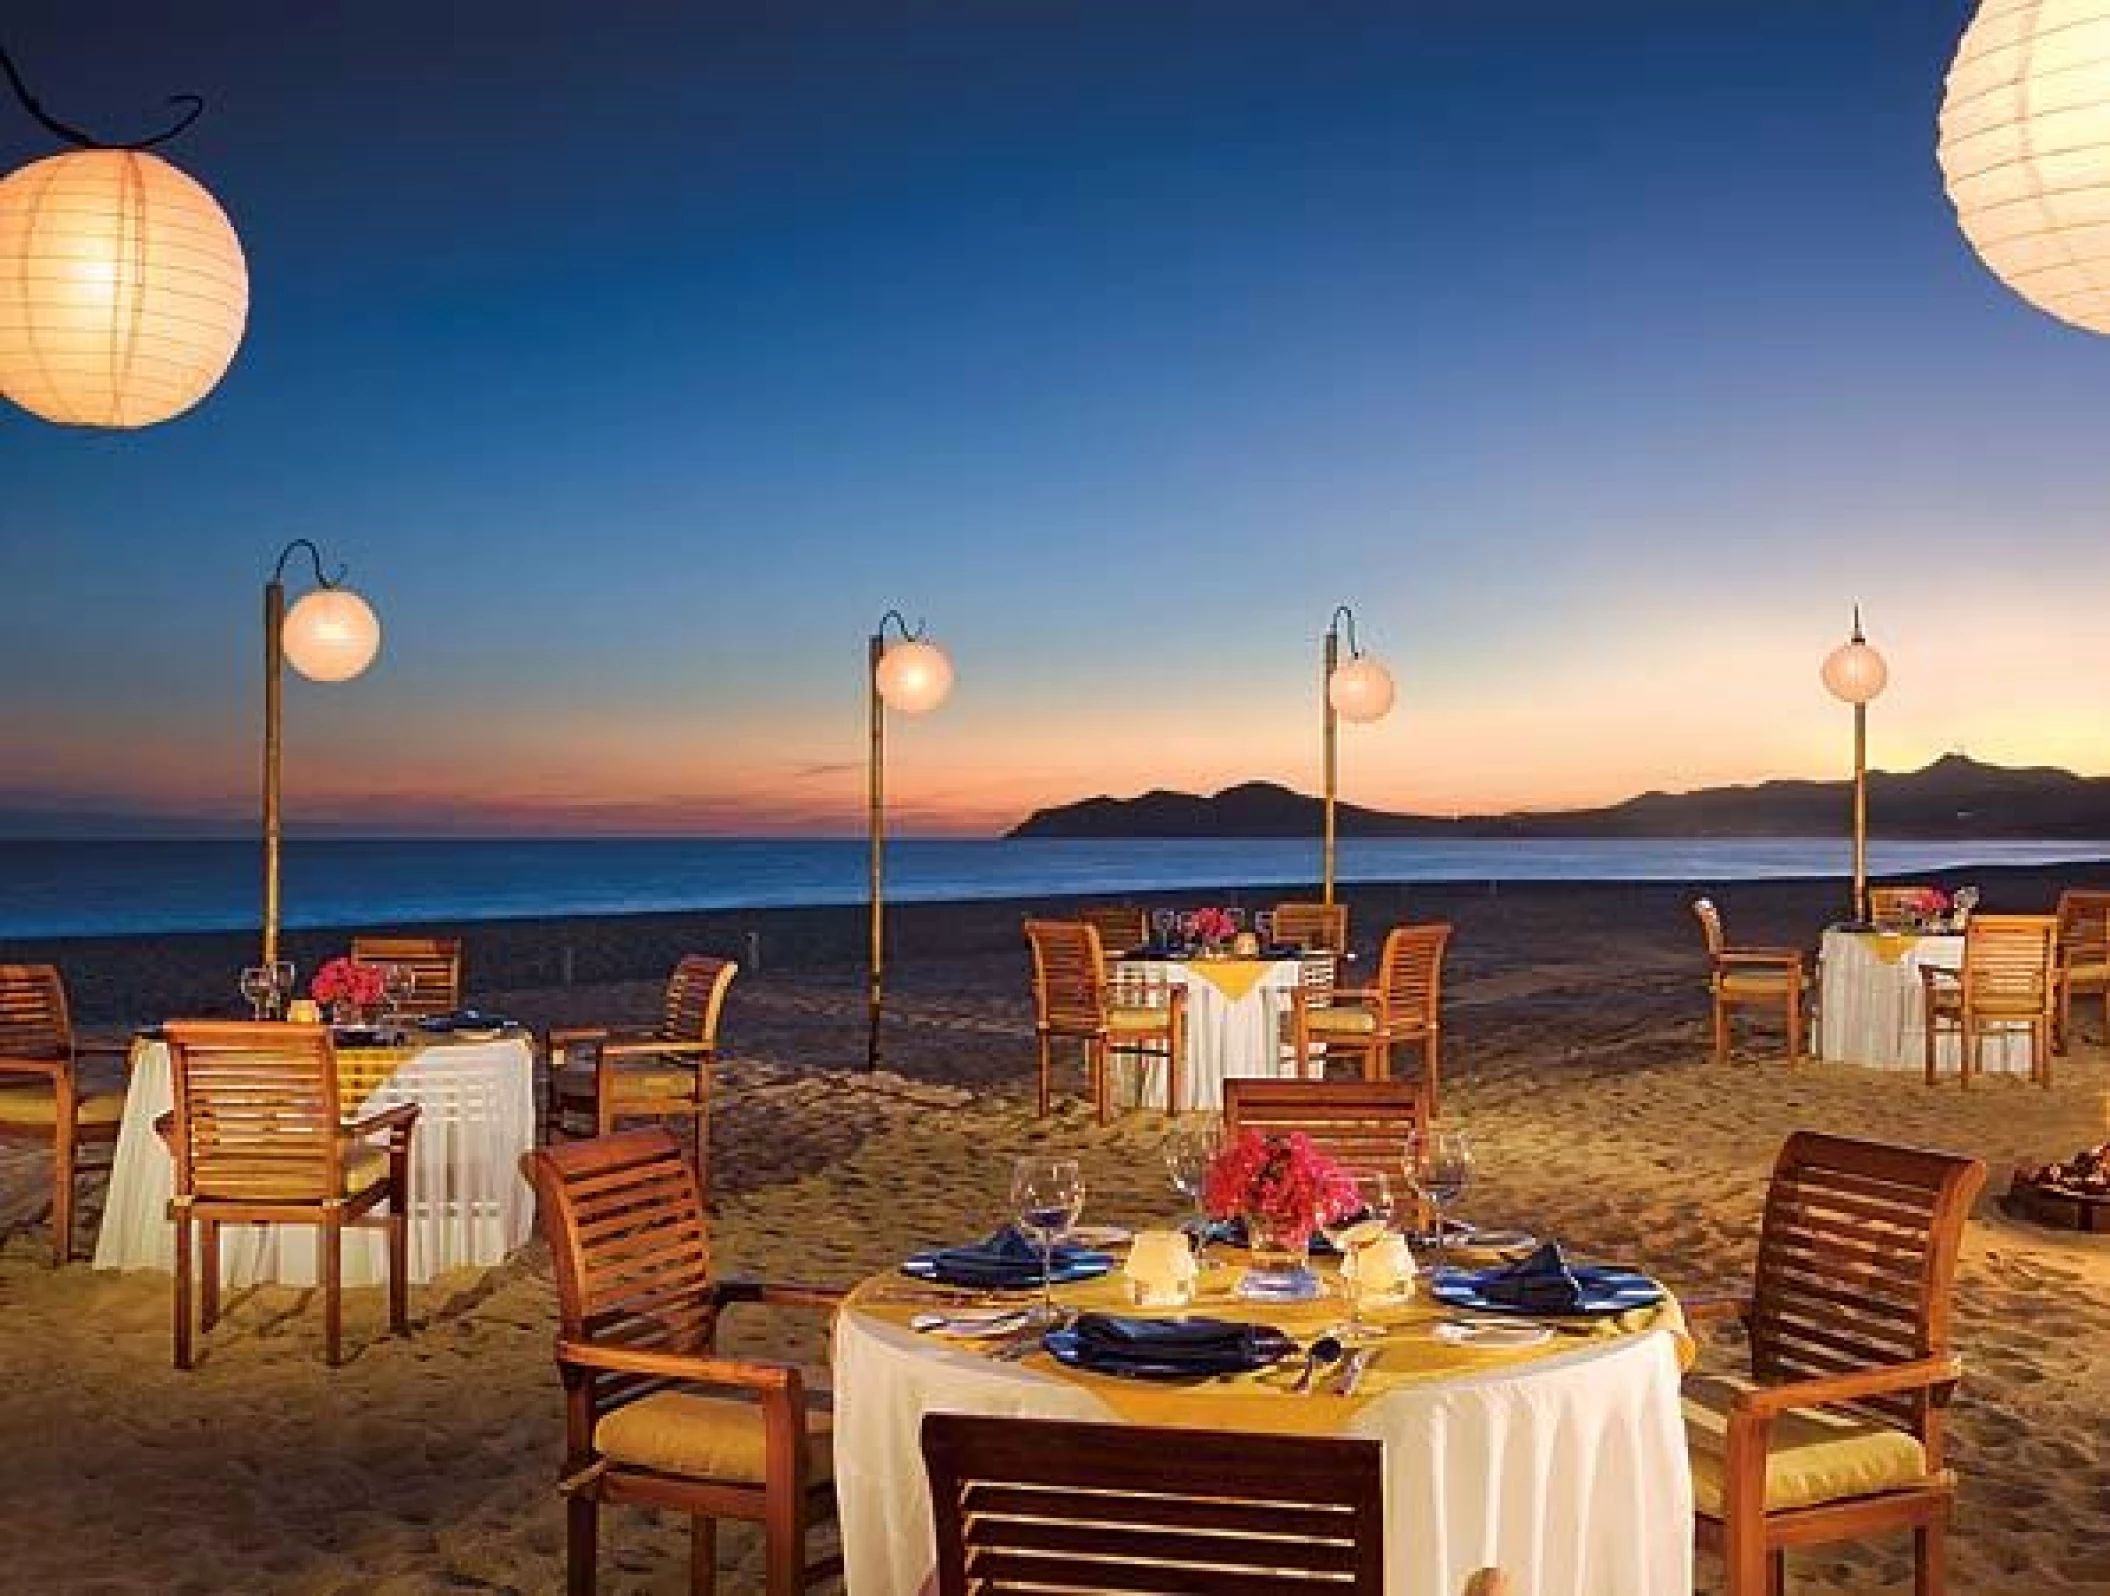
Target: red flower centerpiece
1931, 907
348, 987
1283, 1188
1212, 928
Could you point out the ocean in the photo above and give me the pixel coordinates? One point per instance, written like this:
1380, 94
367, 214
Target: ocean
94, 888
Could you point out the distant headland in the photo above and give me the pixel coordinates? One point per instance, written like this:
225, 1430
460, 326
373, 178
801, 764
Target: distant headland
1955, 797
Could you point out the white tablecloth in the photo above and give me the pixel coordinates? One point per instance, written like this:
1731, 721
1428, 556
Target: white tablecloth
469, 1205
1569, 1473
1226, 1035
1872, 1006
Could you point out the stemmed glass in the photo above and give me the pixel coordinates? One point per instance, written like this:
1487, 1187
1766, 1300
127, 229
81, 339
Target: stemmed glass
1047, 1194
282, 988
1164, 922
1353, 1229
1439, 1162
1264, 927
257, 987
398, 981
1189, 1151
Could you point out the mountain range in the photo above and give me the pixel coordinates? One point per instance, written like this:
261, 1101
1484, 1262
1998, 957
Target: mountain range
1954, 797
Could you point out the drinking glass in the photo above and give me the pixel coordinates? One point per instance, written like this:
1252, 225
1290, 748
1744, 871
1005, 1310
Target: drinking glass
1047, 1194
1352, 1230
1164, 922
1439, 1162
1189, 1151
282, 987
398, 981
1264, 927
256, 987
1237, 918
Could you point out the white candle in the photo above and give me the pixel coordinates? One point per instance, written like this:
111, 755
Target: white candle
1160, 1269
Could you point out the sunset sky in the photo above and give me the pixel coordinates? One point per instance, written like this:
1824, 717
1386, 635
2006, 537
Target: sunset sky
636, 357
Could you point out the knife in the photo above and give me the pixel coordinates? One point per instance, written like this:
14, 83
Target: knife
1352, 1375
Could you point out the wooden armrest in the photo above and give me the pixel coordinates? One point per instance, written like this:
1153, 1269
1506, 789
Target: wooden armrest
825, 1299
102, 1047
631, 1047
49, 1069
573, 1035
1712, 1307
1761, 956
677, 1365
399, 1117
1882, 1380
1361, 994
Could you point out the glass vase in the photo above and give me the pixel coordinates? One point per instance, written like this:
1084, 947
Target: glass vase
1279, 1269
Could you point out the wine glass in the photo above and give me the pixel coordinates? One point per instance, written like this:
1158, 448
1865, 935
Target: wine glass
1264, 927
398, 981
1189, 1151
256, 987
1439, 1162
1164, 922
1353, 1228
1047, 1194
1237, 918
282, 987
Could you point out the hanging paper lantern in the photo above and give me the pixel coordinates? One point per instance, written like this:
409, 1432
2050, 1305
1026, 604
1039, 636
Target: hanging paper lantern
2025, 151
122, 289
1854, 672
331, 635
914, 677
1360, 690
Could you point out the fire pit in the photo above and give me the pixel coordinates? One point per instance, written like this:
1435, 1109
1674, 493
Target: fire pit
2074, 1195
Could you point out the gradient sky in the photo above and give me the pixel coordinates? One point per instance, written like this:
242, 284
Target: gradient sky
636, 357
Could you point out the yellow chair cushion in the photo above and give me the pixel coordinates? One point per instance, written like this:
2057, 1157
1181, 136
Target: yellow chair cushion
704, 1437
37, 1104
1999, 1005
1755, 983
655, 1083
2089, 971
1133, 1022
1813, 1454
364, 1166
1341, 1021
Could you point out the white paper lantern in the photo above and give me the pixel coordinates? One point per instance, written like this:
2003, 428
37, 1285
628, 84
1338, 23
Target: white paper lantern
1360, 690
2025, 151
1855, 672
331, 635
123, 292
914, 677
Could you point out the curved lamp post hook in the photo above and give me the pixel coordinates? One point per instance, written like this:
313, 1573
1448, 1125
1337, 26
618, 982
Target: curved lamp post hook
314, 559
908, 634
192, 107
1342, 613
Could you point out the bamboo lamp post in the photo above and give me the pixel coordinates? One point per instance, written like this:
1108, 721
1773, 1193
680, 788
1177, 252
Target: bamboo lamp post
1855, 673
330, 635
910, 675
1357, 689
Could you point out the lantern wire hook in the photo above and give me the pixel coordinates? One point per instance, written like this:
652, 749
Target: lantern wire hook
192, 107
1344, 622
908, 634
314, 559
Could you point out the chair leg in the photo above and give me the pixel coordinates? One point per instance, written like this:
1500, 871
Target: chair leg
1747, 1567
1721, 1031
1097, 1061
1046, 1063
64, 1167
1794, 1028
785, 1555
333, 1292
1928, 1037
1431, 1069
2040, 1053
1777, 1574
398, 1264
1930, 1570
581, 1526
703, 1554
183, 1269
209, 1271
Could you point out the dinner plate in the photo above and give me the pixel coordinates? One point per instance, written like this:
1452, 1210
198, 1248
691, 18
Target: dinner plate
1493, 1333
1494, 1241
360, 1036
1098, 1237
478, 1033
1079, 1266
1269, 1346
1605, 1289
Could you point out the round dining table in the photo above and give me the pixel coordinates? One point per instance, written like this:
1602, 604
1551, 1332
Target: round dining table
1872, 1006
1235, 1009
1564, 1464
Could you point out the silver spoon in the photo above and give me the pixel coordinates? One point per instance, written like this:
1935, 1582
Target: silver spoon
1325, 1350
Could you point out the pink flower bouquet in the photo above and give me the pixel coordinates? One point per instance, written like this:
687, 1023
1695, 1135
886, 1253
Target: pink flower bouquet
344, 980
1212, 926
1282, 1180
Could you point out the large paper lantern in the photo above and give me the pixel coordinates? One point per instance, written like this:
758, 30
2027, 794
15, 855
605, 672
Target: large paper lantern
331, 635
2025, 151
1854, 672
914, 676
1360, 690
123, 291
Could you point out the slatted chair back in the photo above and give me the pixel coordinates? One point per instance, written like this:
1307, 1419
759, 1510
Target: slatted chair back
434, 962
1710, 919
1029, 1505
1069, 980
1895, 905
2084, 927
2007, 963
628, 1241
696, 997
1410, 971
1120, 926
1313, 925
1856, 1260
34, 1023
1363, 1125
257, 1111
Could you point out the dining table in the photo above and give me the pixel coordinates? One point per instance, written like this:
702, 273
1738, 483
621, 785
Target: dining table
1872, 1007
1235, 1009
1563, 1463
470, 1207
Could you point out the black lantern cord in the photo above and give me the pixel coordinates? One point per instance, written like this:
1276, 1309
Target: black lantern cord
1344, 620
314, 559
908, 634
192, 108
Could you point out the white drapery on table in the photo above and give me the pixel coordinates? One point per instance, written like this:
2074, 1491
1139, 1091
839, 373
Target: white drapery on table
1234, 1023
469, 1205
1873, 1007
1569, 1473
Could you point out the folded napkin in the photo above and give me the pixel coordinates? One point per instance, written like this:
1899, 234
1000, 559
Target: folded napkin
463, 1020
1539, 1283
1005, 1257
1109, 1337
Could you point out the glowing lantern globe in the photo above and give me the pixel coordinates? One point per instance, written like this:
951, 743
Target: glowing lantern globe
331, 635
1854, 672
1360, 690
914, 677
2025, 151
123, 292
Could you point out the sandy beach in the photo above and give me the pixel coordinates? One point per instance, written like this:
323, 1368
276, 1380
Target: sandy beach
1577, 1059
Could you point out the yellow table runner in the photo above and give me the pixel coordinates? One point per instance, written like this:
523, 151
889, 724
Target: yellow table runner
1408, 1355
1234, 978
361, 1071
1891, 946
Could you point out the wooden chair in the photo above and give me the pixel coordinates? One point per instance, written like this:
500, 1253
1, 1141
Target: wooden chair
1313, 925
1072, 998
40, 1093
259, 1138
1837, 1432
652, 1414
1761, 978
2009, 979
1363, 1125
599, 1077
1041, 1504
1318, 978
1403, 1004
1896, 905
436, 962
1121, 927
2084, 957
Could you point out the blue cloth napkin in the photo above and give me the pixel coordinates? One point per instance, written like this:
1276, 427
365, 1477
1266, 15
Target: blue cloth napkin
1111, 1337
463, 1020
1005, 1257
1539, 1283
